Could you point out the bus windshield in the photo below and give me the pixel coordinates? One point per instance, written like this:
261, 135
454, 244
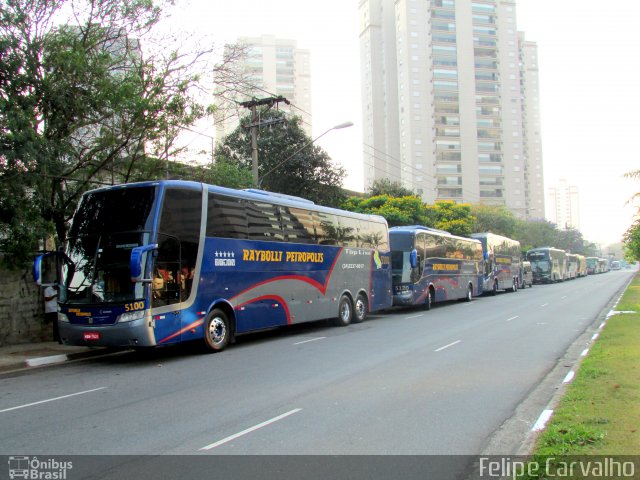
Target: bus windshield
401, 247
539, 262
107, 225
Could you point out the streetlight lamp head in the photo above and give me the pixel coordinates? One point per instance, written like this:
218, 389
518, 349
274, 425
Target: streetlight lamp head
343, 125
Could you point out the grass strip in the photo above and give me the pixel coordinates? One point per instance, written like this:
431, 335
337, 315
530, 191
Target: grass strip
599, 415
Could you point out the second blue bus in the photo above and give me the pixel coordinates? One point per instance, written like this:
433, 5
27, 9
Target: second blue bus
431, 266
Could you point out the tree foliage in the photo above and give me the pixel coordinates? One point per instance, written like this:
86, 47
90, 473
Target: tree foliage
398, 211
452, 217
384, 186
88, 96
497, 219
288, 161
631, 241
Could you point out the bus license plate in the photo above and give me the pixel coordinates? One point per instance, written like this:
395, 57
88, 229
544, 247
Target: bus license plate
91, 336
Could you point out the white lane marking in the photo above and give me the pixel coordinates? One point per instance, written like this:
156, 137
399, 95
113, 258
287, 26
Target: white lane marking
544, 305
250, 429
569, 377
51, 399
542, 420
312, 340
563, 297
512, 318
447, 346
414, 316
584, 352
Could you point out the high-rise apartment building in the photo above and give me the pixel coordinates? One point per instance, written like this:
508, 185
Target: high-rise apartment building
450, 102
563, 207
272, 66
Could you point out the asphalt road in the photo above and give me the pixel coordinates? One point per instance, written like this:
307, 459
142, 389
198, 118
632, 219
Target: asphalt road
410, 382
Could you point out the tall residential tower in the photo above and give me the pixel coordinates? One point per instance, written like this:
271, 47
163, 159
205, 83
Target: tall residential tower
450, 102
272, 66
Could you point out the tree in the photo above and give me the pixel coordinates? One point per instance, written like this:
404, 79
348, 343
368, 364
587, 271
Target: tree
288, 161
82, 104
384, 186
497, 219
450, 216
631, 241
398, 211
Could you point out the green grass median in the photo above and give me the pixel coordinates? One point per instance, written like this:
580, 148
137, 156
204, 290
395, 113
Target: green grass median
600, 411
599, 414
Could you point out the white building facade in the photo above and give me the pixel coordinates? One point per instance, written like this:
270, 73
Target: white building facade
563, 205
272, 67
450, 102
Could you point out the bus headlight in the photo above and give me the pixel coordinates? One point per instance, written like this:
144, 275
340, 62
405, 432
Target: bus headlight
131, 316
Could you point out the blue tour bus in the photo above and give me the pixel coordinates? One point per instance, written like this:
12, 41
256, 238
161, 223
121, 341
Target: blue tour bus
502, 263
164, 262
431, 265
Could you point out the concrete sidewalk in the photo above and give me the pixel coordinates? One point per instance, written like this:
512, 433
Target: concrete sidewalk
17, 357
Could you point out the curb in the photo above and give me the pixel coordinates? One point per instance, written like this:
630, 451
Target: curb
49, 360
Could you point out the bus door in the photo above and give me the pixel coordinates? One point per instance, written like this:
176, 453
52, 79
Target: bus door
165, 291
174, 286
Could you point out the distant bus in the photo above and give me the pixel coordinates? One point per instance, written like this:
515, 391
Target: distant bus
573, 265
159, 263
603, 265
502, 264
431, 266
582, 266
615, 265
593, 265
548, 264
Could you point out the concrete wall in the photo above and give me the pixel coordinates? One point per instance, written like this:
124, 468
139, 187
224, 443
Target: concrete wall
21, 309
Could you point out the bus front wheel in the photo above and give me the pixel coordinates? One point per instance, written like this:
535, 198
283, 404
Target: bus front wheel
360, 309
217, 331
345, 312
469, 296
429, 300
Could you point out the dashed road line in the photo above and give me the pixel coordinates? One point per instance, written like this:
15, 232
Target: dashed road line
51, 399
310, 340
447, 346
250, 429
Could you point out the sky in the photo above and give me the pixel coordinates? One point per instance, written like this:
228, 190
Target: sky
589, 69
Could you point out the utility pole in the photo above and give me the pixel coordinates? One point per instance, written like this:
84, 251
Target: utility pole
255, 123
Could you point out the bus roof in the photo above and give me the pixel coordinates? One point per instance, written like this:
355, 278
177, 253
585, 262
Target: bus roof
248, 194
413, 229
494, 236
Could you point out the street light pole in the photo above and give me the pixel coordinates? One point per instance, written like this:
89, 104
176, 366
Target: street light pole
336, 127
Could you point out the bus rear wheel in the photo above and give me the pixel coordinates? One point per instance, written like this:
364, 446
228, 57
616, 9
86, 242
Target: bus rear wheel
360, 309
217, 331
345, 312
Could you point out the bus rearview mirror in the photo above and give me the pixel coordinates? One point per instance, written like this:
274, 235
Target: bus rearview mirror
135, 263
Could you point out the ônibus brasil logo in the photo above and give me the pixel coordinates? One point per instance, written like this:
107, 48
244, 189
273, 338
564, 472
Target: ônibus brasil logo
37, 469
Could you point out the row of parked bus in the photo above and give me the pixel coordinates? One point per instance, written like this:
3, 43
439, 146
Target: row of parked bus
159, 263
550, 265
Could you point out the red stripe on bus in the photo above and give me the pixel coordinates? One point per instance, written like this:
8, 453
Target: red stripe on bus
277, 298
322, 288
195, 324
